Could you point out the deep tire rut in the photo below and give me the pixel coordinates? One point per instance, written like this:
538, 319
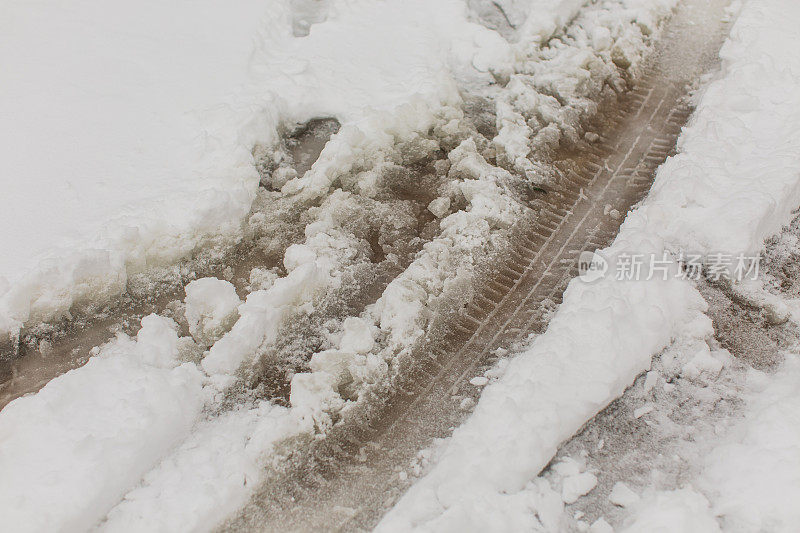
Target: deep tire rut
348, 479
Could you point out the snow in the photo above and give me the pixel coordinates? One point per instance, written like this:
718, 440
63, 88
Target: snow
313, 268
209, 476
266, 310
71, 451
211, 309
357, 335
112, 153
479, 381
738, 469
734, 183
577, 485
643, 410
682, 510
440, 207
601, 526
622, 495
163, 105
159, 162
753, 474
744, 139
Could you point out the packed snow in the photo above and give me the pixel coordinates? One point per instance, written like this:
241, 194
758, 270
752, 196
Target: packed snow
71, 451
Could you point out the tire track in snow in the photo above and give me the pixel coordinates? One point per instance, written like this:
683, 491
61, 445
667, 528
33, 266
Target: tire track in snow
347, 480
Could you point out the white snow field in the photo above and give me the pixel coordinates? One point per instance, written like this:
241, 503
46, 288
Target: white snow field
735, 182
120, 143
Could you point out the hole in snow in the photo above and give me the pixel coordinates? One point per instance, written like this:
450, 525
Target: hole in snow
306, 142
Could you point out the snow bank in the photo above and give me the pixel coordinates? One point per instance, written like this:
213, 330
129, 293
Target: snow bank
749, 476
118, 149
211, 474
148, 116
71, 451
602, 337
734, 182
737, 176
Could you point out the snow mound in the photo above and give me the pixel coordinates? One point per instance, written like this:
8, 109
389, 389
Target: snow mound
72, 450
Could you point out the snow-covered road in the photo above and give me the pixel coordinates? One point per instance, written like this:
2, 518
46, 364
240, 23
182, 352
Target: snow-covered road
734, 183
274, 251
580, 211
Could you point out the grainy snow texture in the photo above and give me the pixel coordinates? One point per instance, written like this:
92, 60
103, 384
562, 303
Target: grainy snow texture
734, 183
752, 476
745, 141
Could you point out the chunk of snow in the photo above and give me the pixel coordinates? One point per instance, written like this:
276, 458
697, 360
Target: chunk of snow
264, 312
439, 207
650, 380
643, 410
622, 495
298, 254
567, 467
313, 395
466, 404
357, 336
157, 341
601, 526
703, 363
683, 510
334, 362
211, 309
573, 487
601, 38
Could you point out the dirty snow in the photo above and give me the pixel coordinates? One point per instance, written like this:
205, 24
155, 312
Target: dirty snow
162, 106
135, 440
734, 183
